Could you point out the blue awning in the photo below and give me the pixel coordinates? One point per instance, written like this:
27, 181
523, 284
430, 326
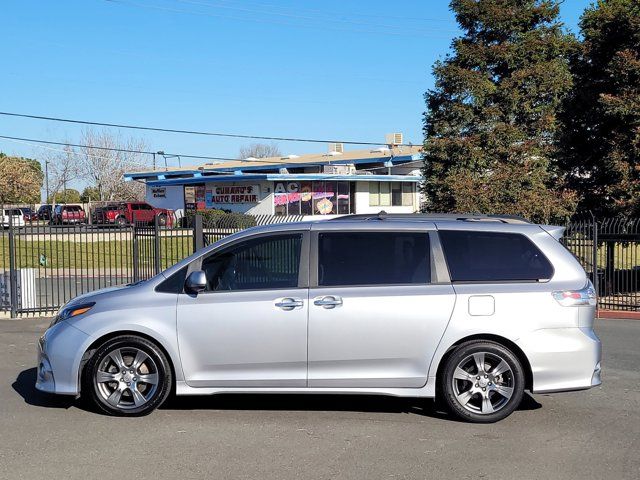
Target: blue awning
277, 177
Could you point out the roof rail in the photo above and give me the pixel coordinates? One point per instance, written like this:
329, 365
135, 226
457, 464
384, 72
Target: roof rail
432, 217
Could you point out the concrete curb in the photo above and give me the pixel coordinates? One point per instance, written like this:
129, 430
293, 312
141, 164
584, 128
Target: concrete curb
618, 315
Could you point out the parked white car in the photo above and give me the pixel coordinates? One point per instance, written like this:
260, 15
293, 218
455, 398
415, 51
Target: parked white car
17, 217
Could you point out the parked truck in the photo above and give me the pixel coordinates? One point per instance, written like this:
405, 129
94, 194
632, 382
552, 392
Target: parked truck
127, 213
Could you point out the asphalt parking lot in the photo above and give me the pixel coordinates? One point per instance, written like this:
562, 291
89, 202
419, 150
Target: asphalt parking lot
592, 434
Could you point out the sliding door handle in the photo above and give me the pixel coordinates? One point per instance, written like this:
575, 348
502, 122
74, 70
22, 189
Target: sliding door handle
328, 301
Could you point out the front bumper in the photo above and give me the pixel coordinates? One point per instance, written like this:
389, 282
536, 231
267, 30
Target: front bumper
59, 352
563, 359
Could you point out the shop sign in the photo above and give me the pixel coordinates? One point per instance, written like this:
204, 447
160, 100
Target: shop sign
230, 194
159, 192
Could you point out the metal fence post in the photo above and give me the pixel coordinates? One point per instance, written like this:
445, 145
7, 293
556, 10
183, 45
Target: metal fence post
136, 254
156, 245
198, 234
595, 255
13, 274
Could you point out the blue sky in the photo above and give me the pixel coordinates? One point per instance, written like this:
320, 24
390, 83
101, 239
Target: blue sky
351, 70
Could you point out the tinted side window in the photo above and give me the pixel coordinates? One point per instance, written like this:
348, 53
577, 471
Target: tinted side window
475, 256
373, 258
259, 264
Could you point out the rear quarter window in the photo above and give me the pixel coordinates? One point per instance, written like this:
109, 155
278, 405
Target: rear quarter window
476, 256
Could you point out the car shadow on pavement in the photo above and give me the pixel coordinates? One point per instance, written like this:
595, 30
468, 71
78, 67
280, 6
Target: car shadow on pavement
25, 383
323, 402
25, 386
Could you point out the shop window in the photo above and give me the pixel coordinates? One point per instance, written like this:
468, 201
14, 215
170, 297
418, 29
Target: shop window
407, 194
374, 194
385, 194
313, 198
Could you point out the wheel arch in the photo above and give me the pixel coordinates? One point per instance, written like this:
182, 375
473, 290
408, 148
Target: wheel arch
505, 342
90, 350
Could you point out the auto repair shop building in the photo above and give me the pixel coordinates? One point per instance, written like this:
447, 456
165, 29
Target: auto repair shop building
335, 183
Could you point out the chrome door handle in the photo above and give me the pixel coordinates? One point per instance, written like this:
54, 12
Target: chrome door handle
289, 303
328, 301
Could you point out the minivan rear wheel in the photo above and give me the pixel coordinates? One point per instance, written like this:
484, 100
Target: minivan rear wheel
127, 376
482, 382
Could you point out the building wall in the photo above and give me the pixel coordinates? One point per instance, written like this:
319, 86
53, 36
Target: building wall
173, 198
362, 202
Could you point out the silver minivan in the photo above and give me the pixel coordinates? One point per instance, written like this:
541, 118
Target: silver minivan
472, 309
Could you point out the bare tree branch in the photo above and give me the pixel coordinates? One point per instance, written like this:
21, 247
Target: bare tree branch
260, 150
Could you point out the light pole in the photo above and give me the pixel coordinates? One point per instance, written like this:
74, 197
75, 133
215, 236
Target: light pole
46, 182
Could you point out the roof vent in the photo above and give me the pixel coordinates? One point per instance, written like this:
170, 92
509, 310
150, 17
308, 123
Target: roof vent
380, 150
336, 147
394, 139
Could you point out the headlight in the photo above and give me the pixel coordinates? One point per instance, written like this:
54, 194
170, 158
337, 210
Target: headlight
71, 311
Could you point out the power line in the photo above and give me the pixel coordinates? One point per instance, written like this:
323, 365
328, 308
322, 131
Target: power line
313, 16
273, 21
140, 152
343, 14
126, 150
193, 132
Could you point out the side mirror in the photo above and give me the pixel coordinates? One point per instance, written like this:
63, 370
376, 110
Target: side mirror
196, 282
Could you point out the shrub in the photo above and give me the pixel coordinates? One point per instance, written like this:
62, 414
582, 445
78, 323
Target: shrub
221, 219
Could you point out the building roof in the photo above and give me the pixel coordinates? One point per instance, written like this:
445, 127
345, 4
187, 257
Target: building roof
393, 156
289, 177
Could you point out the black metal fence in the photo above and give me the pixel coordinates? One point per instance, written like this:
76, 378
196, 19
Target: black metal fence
43, 266
609, 250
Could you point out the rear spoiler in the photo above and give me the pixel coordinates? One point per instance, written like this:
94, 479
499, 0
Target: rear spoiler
553, 230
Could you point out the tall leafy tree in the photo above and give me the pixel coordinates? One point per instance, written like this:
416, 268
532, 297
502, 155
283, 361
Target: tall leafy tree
491, 117
20, 180
601, 118
69, 195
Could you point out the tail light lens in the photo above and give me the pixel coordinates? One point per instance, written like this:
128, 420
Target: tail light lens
576, 298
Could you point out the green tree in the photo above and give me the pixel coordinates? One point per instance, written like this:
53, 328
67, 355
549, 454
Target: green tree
90, 194
491, 117
20, 180
70, 195
600, 139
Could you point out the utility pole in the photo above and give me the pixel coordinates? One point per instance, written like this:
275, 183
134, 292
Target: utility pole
46, 176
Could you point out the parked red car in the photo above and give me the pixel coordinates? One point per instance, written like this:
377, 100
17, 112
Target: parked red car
29, 214
68, 214
131, 212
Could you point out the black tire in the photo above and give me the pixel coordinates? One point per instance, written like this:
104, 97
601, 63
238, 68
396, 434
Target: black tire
481, 387
162, 220
131, 385
121, 221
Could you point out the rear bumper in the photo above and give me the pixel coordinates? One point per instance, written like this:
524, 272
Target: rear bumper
563, 359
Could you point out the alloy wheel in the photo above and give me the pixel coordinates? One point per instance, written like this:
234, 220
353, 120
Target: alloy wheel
483, 383
127, 378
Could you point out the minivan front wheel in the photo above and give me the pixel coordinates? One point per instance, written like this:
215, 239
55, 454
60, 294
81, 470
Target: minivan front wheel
127, 376
483, 381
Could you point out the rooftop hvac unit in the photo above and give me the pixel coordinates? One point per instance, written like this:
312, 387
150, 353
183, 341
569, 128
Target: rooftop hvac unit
394, 139
336, 148
339, 169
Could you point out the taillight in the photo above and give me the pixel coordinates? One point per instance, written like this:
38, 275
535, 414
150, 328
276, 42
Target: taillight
576, 298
